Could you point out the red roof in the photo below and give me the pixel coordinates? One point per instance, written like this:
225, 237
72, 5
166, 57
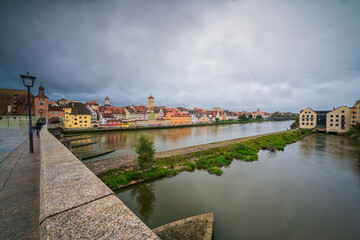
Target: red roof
151, 97
18, 101
107, 98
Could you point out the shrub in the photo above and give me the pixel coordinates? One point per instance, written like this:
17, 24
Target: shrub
145, 149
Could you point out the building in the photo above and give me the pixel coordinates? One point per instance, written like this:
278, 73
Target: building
56, 114
159, 122
179, 118
204, 119
338, 120
151, 103
63, 102
107, 101
355, 113
307, 119
94, 115
77, 115
114, 123
41, 104
14, 108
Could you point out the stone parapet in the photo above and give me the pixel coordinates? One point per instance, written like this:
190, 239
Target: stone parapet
74, 203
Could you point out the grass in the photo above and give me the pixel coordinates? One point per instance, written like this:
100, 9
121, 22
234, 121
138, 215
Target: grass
211, 160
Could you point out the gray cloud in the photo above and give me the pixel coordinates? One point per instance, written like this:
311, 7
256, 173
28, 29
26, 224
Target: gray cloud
276, 55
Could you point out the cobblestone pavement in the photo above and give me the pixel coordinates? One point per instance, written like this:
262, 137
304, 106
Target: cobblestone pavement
11, 138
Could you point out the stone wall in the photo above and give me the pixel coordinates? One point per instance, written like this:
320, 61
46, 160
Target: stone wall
74, 203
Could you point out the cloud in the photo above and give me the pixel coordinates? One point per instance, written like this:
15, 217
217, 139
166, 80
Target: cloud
276, 55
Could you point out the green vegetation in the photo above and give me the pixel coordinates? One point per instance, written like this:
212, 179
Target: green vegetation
211, 160
145, 149
295, 124
354, 133
259, 117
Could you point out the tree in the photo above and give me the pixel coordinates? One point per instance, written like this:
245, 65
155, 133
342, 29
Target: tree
250, 117
242, 117
259, 117
217, 119
145, 149
295, 124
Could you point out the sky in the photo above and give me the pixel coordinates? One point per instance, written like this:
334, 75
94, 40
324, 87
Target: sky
276, 55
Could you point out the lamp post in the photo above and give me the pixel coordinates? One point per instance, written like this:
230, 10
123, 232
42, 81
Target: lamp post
41, 112
28, 82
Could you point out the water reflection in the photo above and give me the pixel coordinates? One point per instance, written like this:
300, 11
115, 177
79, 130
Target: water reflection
167, 139
145, 199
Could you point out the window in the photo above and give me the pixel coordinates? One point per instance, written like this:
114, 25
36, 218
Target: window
14, 117
331, 116
75, 119
337, 125
342, 111
0, 118
331, 120
69, 125
311, 123
307, 123
337, 116
331, 124
80, 117
75, 123
337, 120
80, 121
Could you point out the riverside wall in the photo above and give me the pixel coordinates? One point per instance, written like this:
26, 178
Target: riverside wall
75, 204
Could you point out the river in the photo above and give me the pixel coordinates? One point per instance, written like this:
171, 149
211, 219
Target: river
172, 138
311, 190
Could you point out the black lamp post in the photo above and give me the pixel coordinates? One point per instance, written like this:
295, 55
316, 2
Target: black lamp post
28, 82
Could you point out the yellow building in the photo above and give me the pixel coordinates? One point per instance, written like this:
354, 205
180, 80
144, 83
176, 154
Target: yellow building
307, 119
355, 113
130, 123
77, 115
338, 120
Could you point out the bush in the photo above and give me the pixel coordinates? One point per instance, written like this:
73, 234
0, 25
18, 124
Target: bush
146, 151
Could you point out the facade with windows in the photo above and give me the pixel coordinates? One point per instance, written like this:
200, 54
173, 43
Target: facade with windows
338, 120
355, 113
307, 119
76, 115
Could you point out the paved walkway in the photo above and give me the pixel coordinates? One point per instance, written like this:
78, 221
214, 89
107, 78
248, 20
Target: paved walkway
10, 138
20, 190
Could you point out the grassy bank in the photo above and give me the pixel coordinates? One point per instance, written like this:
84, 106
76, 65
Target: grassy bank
354, 133
211, 160
70, 132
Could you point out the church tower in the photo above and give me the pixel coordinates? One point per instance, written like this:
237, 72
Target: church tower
41, 104
151, 103
107, 101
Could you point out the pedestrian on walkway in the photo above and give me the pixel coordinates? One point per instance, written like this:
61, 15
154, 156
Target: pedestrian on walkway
38, 126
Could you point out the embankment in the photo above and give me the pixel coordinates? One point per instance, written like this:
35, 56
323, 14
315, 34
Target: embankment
75, 204
123, 171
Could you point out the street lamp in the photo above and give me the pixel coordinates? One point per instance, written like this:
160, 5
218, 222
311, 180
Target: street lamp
28, 82
41, 112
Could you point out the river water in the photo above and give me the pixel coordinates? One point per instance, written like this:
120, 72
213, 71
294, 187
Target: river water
311, 190
168, 139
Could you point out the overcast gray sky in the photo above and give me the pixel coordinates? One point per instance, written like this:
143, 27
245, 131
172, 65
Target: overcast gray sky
240, 55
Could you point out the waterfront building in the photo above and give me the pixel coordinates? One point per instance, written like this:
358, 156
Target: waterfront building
56, 114
77, 115
14, 108
141, 123
338, 120
307, 119
204, 119
194, 119
41, 104
107, 101
159, 122
355, 113
128, 123
179, 118
114, 122
94, 115
93, 104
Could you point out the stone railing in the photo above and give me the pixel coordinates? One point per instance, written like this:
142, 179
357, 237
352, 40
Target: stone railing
75, 204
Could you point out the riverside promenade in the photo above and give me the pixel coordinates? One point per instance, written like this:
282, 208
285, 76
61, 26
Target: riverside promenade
19, 185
